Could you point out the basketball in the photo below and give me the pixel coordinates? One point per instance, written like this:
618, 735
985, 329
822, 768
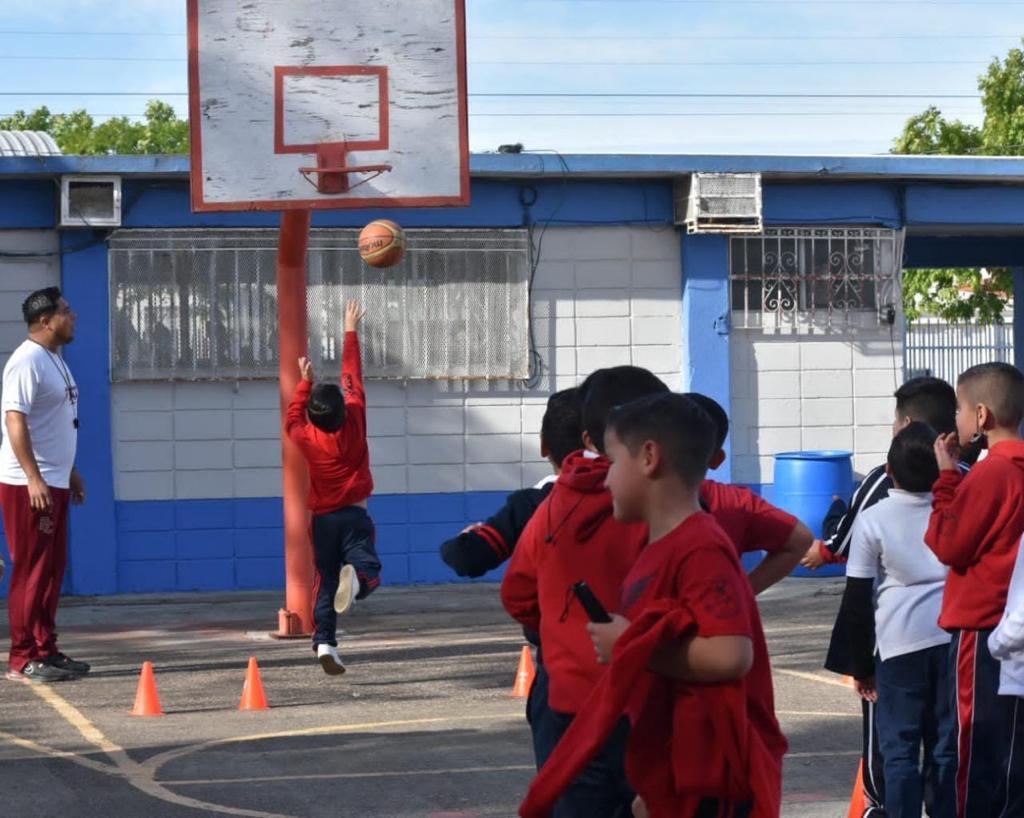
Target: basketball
382, 243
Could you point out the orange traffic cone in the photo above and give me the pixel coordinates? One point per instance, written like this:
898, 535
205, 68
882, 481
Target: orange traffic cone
147, 700
253, 697
524, 676
857, 798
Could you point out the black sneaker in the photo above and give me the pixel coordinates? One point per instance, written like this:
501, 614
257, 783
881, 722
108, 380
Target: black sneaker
66, 663
44, 673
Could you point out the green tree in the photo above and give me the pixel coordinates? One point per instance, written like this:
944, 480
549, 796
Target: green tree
78, 133
964, 294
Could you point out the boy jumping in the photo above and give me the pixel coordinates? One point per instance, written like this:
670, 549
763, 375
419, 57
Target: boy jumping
328, 424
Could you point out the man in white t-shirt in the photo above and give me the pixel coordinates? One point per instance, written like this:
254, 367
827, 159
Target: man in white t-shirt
37, 481
892, 570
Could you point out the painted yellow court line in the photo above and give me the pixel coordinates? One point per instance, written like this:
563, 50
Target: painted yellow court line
820, 753
266, 779
73, 716
134, 773
813, 677
157, 761
50, 752
816, 714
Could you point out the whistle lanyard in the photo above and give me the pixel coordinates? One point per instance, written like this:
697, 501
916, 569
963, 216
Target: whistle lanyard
65, 375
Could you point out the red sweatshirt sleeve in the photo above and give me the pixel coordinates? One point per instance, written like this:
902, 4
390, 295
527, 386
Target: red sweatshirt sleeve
352, 372
961, 517
295, 418
519, 592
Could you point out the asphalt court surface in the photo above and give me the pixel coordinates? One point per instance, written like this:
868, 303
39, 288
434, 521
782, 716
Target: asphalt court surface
422, 725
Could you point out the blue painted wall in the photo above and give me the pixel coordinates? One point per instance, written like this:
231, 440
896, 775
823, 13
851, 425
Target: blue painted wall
495, 204
27, 204
208, 545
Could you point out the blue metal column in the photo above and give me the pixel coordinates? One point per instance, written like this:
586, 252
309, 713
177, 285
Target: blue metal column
93, 546
706, 361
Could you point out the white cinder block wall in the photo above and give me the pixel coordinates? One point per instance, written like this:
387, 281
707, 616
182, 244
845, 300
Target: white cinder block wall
19, 277
602, 296
793, 392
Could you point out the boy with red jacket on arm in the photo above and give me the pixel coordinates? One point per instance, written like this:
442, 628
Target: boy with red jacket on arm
689, 661
975, 529
328, 424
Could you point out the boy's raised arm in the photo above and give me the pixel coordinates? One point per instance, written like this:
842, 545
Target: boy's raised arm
295, 419
351, 359
959, 517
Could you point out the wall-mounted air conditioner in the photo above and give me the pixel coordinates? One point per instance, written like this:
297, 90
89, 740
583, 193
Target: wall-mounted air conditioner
719, 203
90, 201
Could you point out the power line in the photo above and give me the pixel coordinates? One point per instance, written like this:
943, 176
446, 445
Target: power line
64, 58
701, 95
604, 63
565, 95
645, 37
773, 37
789, 2
720, 63
660, 114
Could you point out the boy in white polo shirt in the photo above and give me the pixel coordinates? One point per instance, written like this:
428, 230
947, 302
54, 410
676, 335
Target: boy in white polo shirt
894, 590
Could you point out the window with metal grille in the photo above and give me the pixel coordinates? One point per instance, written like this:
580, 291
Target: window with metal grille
189, 305
789, 277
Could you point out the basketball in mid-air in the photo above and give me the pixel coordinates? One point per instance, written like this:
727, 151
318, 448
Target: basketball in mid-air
382, 243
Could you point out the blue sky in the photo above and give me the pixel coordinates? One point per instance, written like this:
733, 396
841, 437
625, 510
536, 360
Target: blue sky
930, 48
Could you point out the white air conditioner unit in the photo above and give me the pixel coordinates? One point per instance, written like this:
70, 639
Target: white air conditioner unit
719, 203
90, 201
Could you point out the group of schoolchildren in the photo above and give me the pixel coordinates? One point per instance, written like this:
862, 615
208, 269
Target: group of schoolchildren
930, 623
653, 695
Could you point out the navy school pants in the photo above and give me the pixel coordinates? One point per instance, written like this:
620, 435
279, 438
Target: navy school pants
342, 537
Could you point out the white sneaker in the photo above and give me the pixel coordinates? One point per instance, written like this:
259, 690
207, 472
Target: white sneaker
329, 660
348, 590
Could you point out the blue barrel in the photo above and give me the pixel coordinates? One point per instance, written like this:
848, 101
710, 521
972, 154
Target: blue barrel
805, 483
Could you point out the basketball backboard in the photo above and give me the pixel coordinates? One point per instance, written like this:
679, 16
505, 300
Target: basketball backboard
298, 104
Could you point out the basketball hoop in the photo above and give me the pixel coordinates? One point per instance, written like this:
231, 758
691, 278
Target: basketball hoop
332, 172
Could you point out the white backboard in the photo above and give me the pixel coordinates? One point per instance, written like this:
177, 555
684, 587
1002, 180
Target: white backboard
370, 83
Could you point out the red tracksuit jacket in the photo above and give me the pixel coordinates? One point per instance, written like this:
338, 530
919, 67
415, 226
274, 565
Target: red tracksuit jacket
571, 537
975, 528
339, 462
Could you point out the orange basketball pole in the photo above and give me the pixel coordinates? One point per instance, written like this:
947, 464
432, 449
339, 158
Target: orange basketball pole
296, 618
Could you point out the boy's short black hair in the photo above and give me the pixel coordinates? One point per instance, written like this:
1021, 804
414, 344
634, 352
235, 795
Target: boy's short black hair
560, 429
326, 407
912, 457
678, 424
41, 304
716, 413
928, 400
998, 386
605, 389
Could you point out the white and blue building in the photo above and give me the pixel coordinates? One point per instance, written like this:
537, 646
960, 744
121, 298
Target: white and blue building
797, 330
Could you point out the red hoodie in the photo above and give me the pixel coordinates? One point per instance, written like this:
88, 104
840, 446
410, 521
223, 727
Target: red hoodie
975, 529
339, 462
572, 537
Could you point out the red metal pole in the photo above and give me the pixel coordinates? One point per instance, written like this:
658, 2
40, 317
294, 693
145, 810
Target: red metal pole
296, 618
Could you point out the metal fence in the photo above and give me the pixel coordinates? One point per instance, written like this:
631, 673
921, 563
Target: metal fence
194, 305
932, 347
